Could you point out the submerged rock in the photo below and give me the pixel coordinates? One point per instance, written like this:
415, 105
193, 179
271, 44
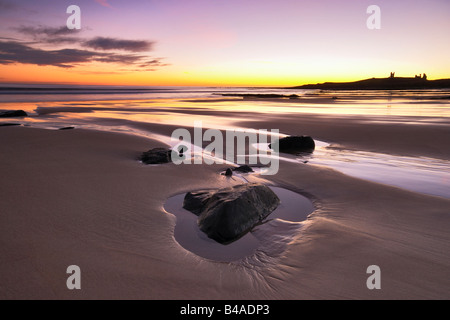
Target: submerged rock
157, 156
13, 114
227, 214
294, 144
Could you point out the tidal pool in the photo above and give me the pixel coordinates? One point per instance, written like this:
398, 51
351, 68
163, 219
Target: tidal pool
281, 224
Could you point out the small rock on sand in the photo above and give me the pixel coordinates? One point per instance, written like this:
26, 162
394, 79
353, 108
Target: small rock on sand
13, 114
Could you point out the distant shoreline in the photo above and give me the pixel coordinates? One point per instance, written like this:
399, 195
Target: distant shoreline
395, 83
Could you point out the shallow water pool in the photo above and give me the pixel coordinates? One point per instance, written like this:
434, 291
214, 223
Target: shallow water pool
293, 209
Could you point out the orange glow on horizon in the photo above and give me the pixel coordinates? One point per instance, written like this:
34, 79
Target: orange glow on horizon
200, 76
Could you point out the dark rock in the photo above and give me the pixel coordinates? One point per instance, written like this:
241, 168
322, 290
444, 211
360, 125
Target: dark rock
227, 214
195, 201
260, 95
9, 124
13, 114
228, 173
181, 150
157, 156
66, 128
294, 144
243, 169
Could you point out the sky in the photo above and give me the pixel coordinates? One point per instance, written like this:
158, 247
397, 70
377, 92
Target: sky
221, 42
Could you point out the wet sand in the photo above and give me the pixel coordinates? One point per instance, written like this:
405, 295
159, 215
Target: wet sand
81, 197
369, 133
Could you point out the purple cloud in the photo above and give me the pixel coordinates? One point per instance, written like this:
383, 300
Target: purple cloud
15, 52
103, 43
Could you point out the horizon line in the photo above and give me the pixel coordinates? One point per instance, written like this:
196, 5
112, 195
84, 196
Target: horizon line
192, 85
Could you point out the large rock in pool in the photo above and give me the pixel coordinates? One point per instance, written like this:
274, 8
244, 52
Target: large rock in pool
13, 114
294, 144
227, 214
156, 156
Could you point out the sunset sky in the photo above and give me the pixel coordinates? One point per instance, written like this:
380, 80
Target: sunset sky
221, 42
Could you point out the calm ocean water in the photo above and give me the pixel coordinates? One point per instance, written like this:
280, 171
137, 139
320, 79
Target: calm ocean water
420, 103
40, 93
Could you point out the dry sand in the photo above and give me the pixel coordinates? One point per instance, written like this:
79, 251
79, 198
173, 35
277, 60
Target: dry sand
80, 197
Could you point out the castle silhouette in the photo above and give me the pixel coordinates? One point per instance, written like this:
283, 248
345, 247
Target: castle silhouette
423, 77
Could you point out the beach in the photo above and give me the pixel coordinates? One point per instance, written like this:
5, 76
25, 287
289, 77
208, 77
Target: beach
81, 197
